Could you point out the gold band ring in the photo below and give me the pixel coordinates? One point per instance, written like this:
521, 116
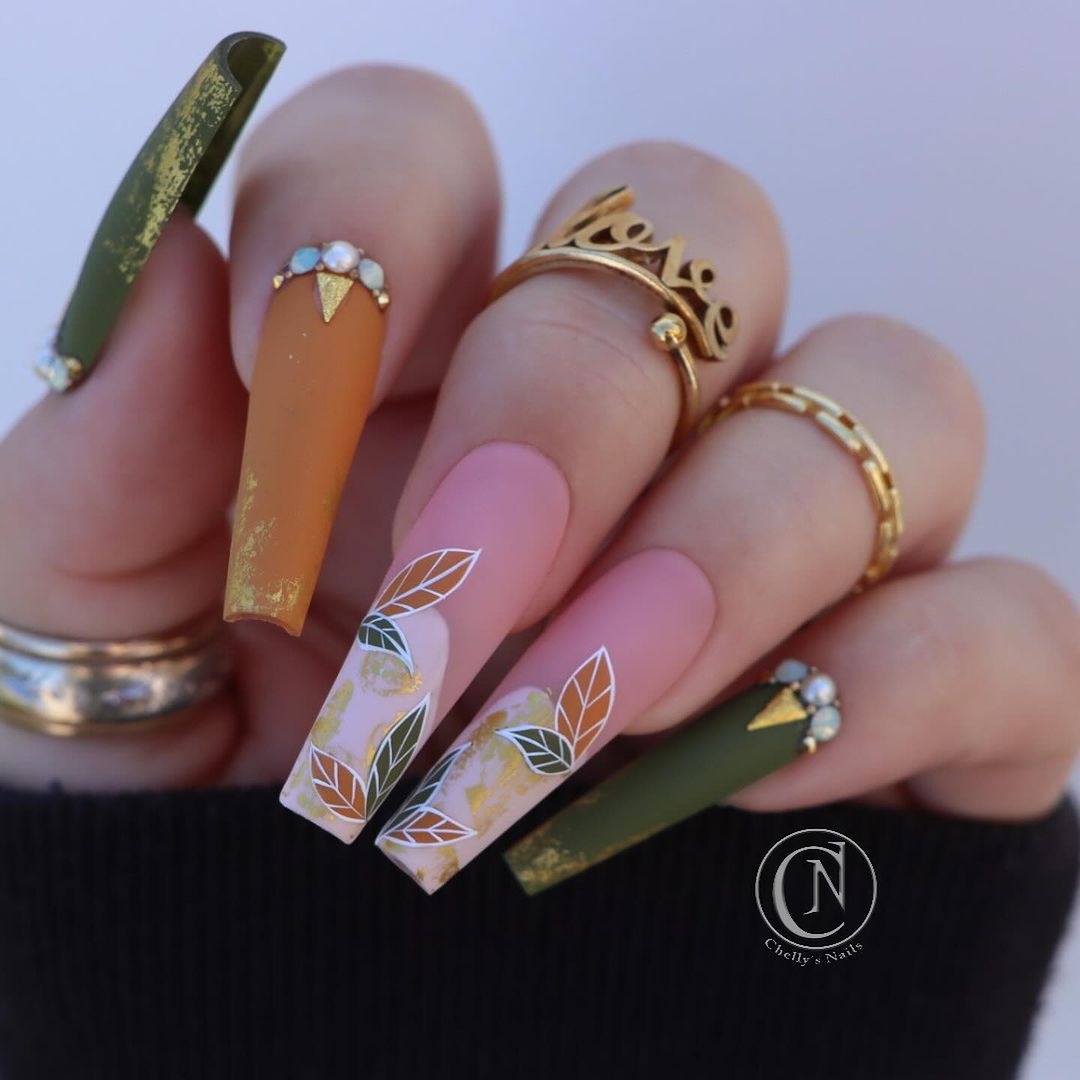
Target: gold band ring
607, 235
853, 437
62, 686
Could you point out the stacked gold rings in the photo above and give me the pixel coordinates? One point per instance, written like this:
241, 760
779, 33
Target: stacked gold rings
61, 686
838, 423
607, 235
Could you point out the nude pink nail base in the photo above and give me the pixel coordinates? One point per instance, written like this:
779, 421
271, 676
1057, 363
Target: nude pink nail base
606, 659
436, 620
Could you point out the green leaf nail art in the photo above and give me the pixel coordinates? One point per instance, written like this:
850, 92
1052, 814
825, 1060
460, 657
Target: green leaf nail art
378, 633
426, 790
545, 750
394, 754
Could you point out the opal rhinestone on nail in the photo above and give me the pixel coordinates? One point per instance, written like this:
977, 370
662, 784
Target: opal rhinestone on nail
789, 671
818, 690
371, 274
825, 723
304, 260
340, 256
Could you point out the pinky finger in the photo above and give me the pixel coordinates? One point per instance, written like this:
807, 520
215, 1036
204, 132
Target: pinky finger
960, 688
958, 695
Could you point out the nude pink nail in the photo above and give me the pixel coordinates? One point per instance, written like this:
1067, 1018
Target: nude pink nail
469, 566
607, 658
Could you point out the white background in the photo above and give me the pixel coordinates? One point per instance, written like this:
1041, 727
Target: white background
924, 158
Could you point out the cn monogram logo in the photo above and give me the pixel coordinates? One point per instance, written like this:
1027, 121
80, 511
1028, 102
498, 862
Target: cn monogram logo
816, 889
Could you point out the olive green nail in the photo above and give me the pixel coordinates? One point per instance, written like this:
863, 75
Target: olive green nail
177, 164
719, 753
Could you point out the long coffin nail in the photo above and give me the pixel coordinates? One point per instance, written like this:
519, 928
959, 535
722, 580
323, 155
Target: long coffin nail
469, 566
721, 752
610, 655
310, 395
176, 165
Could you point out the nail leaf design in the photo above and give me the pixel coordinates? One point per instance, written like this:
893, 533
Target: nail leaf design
377, 633
586, 702
337, 785
546, 751
421, 584
416, 824
394, 754
426, 581
427, 827
583, 708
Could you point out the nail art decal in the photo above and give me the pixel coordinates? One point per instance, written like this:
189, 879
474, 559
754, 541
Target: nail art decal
425, 581
580, 713
724, 750
418, 824
527, 741
381, 707
340, 786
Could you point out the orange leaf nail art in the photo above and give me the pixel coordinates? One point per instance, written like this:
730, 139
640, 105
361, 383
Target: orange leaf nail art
586, 702
337, 785
425, 581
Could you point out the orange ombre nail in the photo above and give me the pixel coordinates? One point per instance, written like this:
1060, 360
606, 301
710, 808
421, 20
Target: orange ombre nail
314, 376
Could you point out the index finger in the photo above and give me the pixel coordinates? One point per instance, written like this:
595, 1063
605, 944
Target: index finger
373, 183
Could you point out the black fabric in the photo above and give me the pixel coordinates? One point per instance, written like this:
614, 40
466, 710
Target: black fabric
212, 934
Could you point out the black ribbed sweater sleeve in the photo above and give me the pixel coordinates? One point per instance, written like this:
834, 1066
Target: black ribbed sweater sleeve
213, 934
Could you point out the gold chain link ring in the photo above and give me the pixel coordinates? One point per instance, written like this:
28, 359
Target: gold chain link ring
853, 437
607, 235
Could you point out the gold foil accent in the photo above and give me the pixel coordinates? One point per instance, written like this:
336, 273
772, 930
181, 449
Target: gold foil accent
488, 802
329, 720
784, 708
333, 288
172, 161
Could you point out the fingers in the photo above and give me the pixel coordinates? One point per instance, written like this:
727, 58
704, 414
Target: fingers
112, 499
556, 413
394, 159
564, 362
777, 513
393, 166
757, 527
960, 682
955, 688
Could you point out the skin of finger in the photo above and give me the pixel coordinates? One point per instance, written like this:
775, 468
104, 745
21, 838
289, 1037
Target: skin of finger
564, 363
777, 513
113, 497
393, 159
958, 682
250, 736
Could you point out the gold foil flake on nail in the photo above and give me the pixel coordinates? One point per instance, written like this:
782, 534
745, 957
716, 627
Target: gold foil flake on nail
333, 288
783, 708
329, 720
388, 676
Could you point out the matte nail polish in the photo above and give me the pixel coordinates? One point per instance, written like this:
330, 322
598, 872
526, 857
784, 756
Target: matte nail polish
606, 659
719, 753
315, 372
476, 555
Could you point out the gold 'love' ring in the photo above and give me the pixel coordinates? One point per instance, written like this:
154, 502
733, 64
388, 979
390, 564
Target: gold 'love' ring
606, 234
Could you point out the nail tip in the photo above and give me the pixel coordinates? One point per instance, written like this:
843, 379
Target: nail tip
293, 628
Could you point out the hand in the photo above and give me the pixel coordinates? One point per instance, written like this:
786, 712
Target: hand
958, 679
